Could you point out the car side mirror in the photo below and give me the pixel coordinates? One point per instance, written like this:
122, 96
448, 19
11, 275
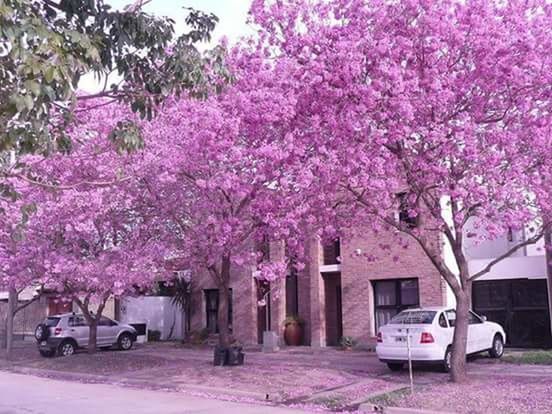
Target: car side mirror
483, 318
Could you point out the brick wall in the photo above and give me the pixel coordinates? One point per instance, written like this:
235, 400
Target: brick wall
315, 303
317, 296
357, 275
304, 303
244, 303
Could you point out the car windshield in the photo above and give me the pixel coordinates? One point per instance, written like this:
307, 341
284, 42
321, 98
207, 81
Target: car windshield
51, 321
414, 317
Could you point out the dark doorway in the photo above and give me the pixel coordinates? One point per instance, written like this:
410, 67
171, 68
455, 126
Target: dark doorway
334, 316
211, 310
263, 308
520, 306
292, 295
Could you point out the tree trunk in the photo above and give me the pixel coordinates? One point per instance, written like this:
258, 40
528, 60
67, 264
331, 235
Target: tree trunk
92, 319
548, 257
93, 335
460, 341
12, 305
222, 317
183, 324
4, 332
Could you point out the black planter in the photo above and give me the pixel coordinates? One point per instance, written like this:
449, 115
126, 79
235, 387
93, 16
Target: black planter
235, 356
232, 355
220, 356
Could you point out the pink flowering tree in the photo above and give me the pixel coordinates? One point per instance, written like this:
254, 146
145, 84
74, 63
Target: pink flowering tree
213, 169
18, 264
84, 238
441, 108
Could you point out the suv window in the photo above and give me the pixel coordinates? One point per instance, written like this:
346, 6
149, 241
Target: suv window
105, 322
50, 322
443, 321
77, 321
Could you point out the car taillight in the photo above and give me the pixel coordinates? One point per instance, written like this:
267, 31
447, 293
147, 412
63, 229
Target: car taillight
57, 331
426, 338
380, 338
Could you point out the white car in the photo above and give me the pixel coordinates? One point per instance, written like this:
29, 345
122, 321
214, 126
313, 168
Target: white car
430, 331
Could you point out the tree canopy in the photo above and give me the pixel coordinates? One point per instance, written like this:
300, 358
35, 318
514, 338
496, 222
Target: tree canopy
47, 46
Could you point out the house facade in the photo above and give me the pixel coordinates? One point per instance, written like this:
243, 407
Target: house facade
339, 293
515, 293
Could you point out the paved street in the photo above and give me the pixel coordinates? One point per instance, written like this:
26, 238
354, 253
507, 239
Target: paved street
28, 394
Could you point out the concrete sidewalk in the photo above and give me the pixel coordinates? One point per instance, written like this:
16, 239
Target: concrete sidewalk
27, 394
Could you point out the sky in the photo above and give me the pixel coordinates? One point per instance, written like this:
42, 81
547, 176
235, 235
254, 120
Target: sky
232, 16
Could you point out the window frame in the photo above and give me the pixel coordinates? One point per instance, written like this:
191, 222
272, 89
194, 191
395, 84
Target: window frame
331, 253
403, 217
398, 306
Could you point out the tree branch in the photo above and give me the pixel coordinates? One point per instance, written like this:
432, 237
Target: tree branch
34, 299
70, 186
508, 253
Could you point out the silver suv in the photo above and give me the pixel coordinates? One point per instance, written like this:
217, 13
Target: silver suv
63, 334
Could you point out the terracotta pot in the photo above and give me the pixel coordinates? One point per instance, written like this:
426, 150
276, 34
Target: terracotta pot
293, 334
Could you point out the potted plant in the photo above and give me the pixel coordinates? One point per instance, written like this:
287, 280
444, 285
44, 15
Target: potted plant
293, 330
347, 343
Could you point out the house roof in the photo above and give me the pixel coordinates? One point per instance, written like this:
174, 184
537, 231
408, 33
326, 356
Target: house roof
27, 294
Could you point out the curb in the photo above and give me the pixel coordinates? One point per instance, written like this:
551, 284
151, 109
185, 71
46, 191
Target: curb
129, 382
398, 410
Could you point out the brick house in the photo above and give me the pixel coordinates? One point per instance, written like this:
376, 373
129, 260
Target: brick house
339, 293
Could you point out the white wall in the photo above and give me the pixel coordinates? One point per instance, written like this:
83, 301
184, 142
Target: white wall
531, 267
484, 249
156, 311
448, 256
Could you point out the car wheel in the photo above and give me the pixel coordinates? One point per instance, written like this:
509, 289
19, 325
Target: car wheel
47, 354
41, 332
395, 366
497, 349
66, 348
125, 342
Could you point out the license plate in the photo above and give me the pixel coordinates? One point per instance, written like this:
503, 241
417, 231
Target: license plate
400, 339
43, 343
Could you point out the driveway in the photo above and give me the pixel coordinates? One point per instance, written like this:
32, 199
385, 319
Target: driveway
27, 394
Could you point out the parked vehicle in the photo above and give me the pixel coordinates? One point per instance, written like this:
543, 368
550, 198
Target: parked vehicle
63, 334
430, 332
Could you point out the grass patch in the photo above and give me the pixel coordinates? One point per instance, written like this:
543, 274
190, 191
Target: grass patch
389, 398
332, 402
530, 357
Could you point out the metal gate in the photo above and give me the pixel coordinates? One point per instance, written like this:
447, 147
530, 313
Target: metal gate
520, 306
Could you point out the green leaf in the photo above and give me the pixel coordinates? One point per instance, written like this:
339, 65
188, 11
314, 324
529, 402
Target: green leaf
33, 86
49, 74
